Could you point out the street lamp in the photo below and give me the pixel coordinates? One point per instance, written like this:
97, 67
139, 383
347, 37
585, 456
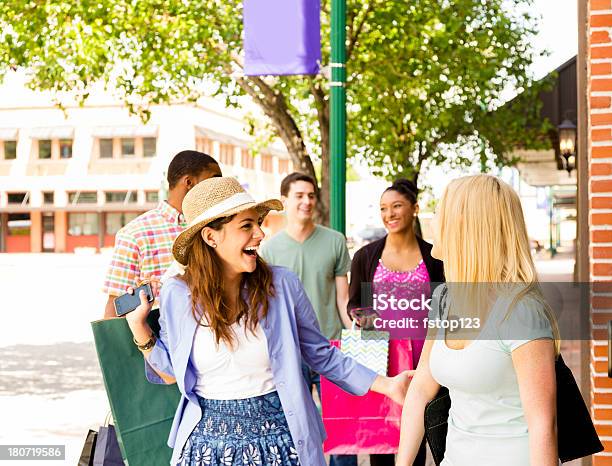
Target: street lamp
567, 144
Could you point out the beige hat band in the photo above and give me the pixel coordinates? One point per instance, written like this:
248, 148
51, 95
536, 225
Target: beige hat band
231, 202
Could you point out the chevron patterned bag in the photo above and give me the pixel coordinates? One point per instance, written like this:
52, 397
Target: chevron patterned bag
367, 347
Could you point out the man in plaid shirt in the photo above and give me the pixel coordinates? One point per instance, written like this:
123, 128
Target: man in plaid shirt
143, 247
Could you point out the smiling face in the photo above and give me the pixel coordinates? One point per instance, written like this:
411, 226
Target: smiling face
237, 241
397, 212
300, 202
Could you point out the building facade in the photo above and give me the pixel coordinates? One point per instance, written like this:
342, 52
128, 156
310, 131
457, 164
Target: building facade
596, 16
71, 178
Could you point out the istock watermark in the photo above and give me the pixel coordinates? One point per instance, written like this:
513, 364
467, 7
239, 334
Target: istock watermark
485, 310
384, 302
472, 323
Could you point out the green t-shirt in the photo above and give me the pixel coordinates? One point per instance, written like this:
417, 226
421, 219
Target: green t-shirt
321, 258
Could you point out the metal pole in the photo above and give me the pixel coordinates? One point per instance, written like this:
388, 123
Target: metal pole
553, 249
338, 116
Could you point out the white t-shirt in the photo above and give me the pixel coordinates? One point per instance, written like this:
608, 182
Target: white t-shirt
226, 374
486, 423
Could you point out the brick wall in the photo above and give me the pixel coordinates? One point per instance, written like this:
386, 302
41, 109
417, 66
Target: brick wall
599, 111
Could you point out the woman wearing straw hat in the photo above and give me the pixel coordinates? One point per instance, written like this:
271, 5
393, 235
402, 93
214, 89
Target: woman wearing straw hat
233, 335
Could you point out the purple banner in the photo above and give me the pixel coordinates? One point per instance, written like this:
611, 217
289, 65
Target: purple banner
282, 37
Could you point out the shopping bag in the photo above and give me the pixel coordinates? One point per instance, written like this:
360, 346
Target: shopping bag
367, 424
142, 411
107, 451
89, 448
368, 347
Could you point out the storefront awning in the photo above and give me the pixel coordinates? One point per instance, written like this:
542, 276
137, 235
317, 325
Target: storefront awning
52, 132
538, 168
8, 134
220, 137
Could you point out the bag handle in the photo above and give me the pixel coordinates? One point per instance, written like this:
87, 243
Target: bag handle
108, 418
442, 301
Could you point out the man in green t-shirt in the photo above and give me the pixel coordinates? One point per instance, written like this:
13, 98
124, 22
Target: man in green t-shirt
319, 256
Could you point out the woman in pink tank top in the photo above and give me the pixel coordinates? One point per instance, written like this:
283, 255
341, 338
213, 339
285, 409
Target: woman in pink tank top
398, 266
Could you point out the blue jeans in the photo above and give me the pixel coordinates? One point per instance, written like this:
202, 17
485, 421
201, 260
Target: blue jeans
312, 378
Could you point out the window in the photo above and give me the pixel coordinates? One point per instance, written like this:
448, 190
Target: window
106, 148
44, 148
65, 147
149, 147
18, 224
117, 220
18, 198
48, 198
247, 159
226, 154
283, 166
266, 163
128, 147
81, 224
205, 145
121, 197
83, 197
10, 150
152, 196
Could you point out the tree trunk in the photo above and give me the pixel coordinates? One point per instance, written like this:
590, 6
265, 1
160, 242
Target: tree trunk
322, 105
274, 105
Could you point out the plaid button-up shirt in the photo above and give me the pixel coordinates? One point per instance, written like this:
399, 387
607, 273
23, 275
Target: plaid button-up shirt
143, 248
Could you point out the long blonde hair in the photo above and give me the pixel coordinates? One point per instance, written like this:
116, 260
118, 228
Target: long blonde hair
482, 239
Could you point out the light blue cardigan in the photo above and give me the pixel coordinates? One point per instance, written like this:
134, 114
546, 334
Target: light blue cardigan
292, 333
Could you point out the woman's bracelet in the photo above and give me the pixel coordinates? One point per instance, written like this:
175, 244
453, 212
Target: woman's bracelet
148, 345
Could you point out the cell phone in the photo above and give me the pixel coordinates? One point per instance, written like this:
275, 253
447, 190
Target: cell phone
128, 302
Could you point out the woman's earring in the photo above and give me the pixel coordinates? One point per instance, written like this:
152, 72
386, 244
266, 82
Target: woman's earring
213, 245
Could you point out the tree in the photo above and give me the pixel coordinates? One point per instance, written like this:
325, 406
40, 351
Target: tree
424, 76
460, 58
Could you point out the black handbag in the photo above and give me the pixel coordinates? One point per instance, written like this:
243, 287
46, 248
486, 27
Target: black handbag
89, 447
436, 424
576, 434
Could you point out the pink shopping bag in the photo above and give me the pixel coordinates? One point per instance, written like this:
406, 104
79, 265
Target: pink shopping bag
367, 424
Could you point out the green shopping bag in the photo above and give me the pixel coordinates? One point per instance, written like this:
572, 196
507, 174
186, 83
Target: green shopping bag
142, 411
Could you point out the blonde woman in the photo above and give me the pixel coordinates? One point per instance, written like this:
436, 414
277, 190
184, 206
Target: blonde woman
499, 366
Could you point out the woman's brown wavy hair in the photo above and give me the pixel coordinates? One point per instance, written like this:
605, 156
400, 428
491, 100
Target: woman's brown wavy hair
204, 278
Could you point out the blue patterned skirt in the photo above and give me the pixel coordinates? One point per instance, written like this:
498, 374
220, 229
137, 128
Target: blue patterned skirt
249, 432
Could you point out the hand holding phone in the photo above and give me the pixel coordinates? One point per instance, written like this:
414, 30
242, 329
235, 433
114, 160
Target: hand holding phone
128, 302
363, 317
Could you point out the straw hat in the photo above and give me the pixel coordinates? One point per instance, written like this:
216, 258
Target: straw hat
212, 199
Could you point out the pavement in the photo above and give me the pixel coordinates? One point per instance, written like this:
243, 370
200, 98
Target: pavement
51, 390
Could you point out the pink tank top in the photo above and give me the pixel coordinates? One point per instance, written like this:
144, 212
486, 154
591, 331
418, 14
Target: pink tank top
405, 285
384, 275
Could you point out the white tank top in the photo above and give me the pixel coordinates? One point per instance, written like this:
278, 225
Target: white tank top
223, 374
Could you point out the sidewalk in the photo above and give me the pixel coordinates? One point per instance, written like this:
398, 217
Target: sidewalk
557, 269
